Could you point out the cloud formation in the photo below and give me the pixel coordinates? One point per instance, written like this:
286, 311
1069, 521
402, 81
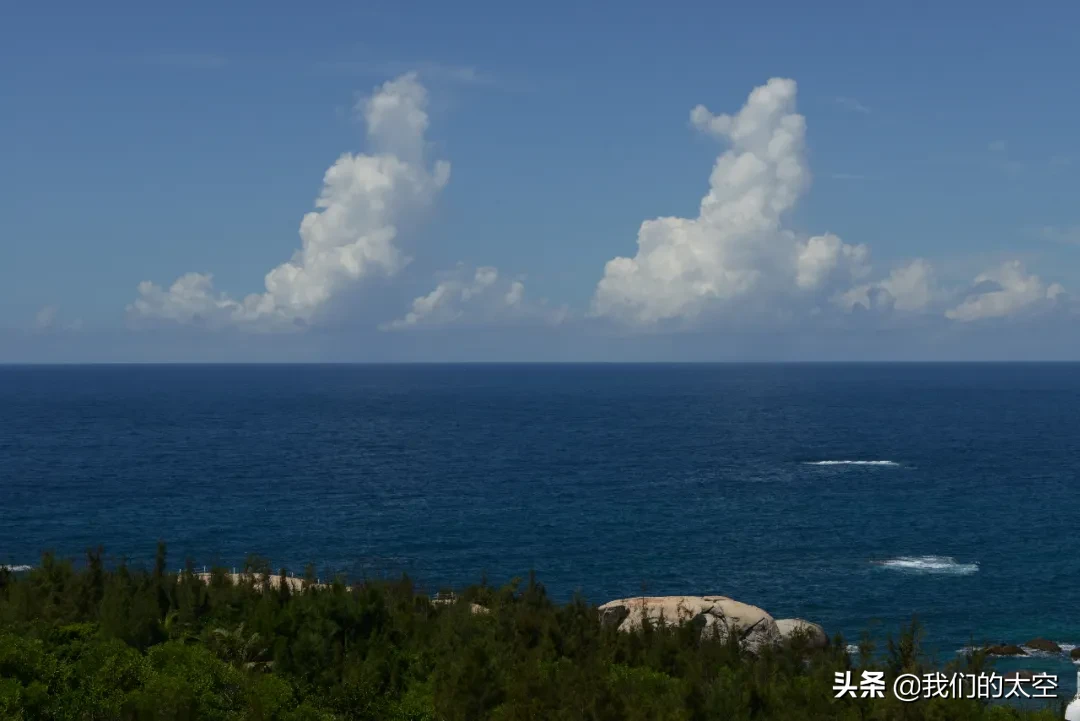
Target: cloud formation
738, 245
908, 288
737, 260
45, 318
479, 296
823, 255
351, 235
853, 105
738, 256
1006, 291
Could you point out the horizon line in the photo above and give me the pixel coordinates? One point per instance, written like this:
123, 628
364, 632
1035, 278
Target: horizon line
31, 364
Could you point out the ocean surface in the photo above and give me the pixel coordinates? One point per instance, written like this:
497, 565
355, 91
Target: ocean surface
856, 496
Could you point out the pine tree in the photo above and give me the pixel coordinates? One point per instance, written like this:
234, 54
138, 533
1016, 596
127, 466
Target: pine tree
284, 587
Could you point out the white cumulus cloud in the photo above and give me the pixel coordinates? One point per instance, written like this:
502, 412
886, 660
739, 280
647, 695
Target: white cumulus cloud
910, 288
480, 296
45, 318
823, 255
738, 246
49, 319
853, 105
1005, 291
351, 235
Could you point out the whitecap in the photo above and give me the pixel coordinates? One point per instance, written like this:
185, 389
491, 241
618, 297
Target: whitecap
1066, 648
851, 648
929, 564
851, 463
16, 569
1066, 651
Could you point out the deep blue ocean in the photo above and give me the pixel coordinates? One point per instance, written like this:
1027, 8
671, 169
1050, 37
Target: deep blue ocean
605, 479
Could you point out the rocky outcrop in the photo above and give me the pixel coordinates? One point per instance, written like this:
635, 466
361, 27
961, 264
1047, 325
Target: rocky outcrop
1004, 649
448, 599
295, 583
1075, 654
717, 615
474, 607
1043, 644
814, 634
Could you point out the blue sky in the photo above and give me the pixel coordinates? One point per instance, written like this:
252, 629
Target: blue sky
141, 144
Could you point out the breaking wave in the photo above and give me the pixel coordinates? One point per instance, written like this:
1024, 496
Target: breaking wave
851, 463
16, 569
1065, 649
946, 565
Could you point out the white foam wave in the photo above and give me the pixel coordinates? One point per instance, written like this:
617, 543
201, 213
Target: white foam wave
851, 648
851, 463
930, 564
16, 569
1066, 648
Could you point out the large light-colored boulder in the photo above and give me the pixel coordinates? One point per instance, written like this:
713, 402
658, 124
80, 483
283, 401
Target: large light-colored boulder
814, 634
295, 583
450, 598
474, 607
718, 615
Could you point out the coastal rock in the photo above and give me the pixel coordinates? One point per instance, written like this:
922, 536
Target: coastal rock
295, 583
476, 608
713, 614
1003, 649
1043, 644
613, 614
1075, 654
450, 599
790, 627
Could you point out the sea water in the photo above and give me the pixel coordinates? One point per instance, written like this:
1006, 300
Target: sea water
857, 496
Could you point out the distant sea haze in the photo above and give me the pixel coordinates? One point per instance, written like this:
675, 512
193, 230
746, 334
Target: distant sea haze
852, 495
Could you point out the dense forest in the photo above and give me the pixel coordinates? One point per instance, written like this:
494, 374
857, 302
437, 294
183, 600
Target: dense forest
105, 641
